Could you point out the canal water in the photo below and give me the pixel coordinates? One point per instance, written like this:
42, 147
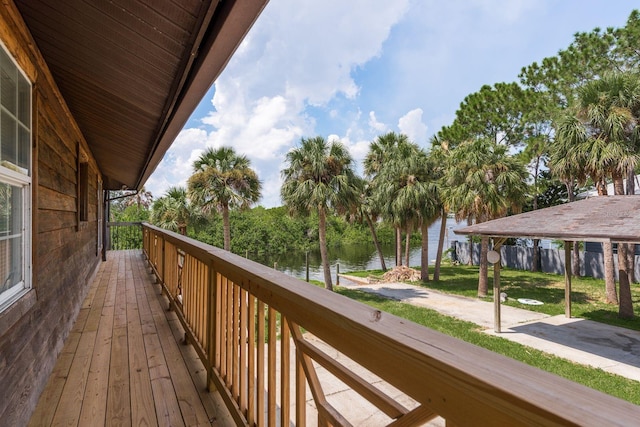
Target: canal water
357, 257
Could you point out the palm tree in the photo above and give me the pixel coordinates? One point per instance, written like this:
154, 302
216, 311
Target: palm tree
363, 210
568, 165
141, 198
173, 211
385, 152
482, 183
440, 157
407, 184
606, 139
319, 176
223, 180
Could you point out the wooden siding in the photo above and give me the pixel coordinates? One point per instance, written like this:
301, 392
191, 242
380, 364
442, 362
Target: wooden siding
33, 330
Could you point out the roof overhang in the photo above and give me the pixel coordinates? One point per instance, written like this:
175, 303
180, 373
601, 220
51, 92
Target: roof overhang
133, 72
598, 219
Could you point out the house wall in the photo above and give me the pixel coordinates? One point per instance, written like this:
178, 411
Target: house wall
64, 250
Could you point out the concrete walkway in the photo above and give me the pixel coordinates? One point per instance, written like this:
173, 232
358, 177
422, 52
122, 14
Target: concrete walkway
610, 348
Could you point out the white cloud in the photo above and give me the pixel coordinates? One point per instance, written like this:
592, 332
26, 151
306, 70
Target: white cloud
177, 164
411, 125
374, 124
311, 68
298, 54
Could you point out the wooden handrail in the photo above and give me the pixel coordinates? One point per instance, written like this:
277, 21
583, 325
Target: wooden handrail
225, 300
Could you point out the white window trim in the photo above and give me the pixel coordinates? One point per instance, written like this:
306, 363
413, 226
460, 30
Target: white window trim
10, 296
11, 177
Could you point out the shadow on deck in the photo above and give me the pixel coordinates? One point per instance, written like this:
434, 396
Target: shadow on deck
123, 363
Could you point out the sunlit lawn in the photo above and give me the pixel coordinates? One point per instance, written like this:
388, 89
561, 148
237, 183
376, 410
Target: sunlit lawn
591, 377
587, 294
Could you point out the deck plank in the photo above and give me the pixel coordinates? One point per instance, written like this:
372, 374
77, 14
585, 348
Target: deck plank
166, 402
191, 405
123, 363
118, 396
142, 405
95, 396
70, 405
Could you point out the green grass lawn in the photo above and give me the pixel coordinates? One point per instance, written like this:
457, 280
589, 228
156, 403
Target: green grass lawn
587, 294
591, 377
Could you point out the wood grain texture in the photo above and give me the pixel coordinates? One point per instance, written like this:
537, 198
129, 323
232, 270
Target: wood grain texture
453, 379
63, 260
92, 380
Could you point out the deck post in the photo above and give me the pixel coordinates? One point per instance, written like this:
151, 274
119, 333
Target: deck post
164, 261
496, 298
497, 264
567, 278
212, 326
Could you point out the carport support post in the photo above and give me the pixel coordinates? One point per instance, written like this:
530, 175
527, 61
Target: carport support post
567, 278
496, 297
497, 317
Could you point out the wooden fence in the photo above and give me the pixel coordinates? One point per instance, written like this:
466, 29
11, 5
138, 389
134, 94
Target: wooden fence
251, 326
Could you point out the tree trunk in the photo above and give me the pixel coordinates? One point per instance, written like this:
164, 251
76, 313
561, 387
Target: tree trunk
631, 263
424, 254
618, 185
626, 304
470, 238
376, 242
575, 260
625, 310
398, 246
631, 182
322, 235
443, 230
226, 228
631, 254
407, 246
535, 263
609, 276
575, 253
483, 279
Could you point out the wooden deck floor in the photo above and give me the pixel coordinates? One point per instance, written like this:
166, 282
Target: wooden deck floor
123, 363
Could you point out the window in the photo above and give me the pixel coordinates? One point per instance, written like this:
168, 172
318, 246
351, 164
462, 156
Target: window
15, 181
83, 191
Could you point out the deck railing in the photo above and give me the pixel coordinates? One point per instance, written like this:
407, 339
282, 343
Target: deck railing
251, 326
124, 235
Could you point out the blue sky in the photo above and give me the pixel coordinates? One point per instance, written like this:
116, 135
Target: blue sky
352, 70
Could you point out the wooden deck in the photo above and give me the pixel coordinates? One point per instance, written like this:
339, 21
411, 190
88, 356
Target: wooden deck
123, 363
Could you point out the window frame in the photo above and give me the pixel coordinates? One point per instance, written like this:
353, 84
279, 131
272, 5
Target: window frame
24, 182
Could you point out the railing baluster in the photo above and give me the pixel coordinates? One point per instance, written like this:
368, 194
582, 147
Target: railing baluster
229, 322
235, 389
224, 327
225, 333
212, 322
231, 308
285, 371
243, 349
301, 393
260, 383
217, 283
251, 358
271, 370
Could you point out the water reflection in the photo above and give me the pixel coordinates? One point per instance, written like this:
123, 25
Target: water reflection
354, 257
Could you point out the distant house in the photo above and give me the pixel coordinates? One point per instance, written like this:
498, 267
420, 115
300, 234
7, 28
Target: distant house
593, 192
